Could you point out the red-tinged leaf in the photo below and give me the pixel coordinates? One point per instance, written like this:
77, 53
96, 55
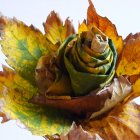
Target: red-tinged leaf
105, 25
56, 32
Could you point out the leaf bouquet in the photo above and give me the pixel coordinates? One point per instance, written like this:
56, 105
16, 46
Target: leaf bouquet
67, 85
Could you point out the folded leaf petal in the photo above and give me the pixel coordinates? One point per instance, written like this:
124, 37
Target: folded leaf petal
120, 89
90, 60
94, 104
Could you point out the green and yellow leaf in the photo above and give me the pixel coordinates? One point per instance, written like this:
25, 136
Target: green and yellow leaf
56, 32
15, 93
23, 46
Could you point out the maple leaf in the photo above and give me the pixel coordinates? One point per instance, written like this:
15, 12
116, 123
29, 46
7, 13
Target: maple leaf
23, 46
56, 32
15, 93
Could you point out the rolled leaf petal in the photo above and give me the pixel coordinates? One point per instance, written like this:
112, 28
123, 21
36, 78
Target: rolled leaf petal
105, 25
120, 89
90, 60
94, 104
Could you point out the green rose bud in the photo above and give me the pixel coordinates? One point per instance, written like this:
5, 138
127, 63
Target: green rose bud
89, 59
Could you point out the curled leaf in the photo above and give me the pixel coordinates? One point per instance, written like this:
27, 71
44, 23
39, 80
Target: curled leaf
105, 25
91, 56
96, 103
80, 106
50, 80
120, 89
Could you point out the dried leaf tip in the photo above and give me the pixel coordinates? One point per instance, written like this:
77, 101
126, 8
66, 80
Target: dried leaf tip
77, 133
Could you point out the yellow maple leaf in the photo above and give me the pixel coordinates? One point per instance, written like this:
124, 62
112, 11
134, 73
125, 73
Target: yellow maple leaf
56, 32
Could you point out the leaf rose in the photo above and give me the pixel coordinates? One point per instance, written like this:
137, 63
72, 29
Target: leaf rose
89, 59
60, 76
